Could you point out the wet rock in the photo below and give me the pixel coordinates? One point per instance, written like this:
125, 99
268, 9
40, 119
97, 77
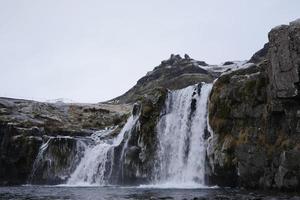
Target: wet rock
132, 153
17, 155
136, 109
25, 123
57, 161
251, 163
200, 198
288, 173
141, 144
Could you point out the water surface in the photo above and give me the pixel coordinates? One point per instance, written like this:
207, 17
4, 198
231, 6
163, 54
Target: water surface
138, 193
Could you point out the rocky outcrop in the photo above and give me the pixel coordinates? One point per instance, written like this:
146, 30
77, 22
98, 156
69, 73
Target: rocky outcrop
235, 111
284, 57
18, 149
56, 159
174, 73
260, 55
62, 118
142, 142
27, 125
44, 136
254, 114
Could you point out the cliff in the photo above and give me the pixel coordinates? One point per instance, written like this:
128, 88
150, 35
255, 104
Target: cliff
255, 117
25, 126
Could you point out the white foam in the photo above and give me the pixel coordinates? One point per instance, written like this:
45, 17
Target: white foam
91, 169
180, 131
172, 185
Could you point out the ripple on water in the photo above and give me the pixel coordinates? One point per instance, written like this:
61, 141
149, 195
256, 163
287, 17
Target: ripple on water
138, 193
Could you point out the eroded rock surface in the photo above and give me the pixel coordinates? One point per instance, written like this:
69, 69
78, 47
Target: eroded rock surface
284, 60
26, 125
141, 148
254, 114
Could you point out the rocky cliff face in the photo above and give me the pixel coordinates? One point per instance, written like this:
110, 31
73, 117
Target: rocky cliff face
18, 150
254, 113
142, 142
39, 142
26, 125
255, 116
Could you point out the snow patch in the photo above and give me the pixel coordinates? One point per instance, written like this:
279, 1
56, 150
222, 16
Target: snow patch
60, 101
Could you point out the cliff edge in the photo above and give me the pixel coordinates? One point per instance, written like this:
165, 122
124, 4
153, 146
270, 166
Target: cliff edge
255, 117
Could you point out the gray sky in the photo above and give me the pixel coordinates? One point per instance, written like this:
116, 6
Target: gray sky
94, 50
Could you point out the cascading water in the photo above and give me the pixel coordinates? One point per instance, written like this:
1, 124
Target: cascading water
102, 159
181, 128
98, 159
58, 156
39, 159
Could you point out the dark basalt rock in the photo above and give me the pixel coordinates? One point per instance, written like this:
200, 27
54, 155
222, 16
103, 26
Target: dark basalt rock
17, 154
254, 115
140, 153
137, 164
25, 125
288, 173
260, 55
285, 60
228, 63
56, 163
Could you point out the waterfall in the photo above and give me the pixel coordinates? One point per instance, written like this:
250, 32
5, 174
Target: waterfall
39, 159
57, 158
95, 168
180, 133
101, 159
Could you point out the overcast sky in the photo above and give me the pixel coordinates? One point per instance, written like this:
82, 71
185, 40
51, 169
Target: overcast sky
94, 50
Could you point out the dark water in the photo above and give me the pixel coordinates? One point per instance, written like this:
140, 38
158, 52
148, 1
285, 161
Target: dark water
115, 193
